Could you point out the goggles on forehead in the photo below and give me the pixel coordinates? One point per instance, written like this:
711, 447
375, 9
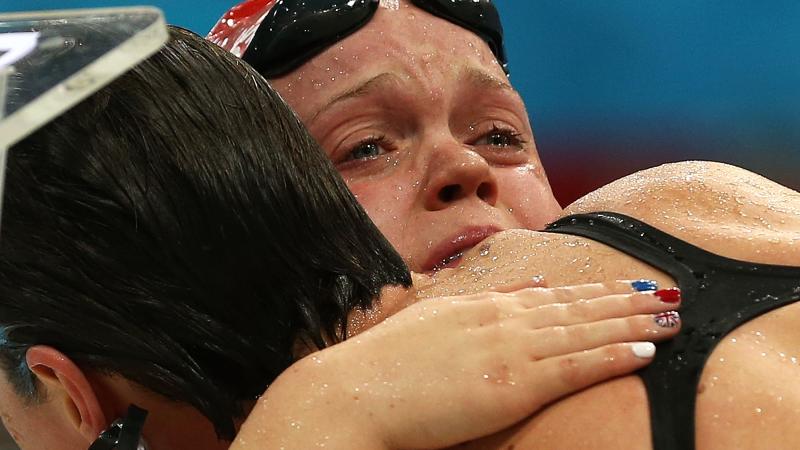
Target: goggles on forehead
277, 37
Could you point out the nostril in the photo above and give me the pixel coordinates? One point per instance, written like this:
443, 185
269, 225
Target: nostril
449, 193
486, 192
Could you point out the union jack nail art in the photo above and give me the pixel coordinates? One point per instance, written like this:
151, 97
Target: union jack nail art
670, 319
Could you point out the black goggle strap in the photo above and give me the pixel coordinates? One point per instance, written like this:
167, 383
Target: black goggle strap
124, 433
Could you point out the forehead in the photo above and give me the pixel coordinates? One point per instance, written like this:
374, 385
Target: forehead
403, 40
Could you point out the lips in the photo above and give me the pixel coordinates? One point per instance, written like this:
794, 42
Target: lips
449, 253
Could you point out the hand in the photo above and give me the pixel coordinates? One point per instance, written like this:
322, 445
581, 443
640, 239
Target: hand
452, 369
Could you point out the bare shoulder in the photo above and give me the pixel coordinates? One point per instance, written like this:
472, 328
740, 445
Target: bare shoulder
722, 208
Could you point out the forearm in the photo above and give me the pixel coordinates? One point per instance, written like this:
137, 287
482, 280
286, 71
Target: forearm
307, 408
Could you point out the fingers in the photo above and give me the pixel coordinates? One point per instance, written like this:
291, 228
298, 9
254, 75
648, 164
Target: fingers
554, 341
565, 374
517, 285
601, 308
533, 297
564, 306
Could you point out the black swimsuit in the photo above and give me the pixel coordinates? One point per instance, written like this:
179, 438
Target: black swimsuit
719, 294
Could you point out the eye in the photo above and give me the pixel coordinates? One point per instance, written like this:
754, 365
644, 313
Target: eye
500, 137
368, 148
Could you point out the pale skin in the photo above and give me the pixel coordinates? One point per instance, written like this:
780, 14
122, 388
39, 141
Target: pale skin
393, 120
747, 397
738, 214
426, 130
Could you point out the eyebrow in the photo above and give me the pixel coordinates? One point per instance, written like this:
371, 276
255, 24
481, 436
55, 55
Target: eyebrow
361, 90
471, 74
484, 80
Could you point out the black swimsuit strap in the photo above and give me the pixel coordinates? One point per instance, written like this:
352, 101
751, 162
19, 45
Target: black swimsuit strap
719, 294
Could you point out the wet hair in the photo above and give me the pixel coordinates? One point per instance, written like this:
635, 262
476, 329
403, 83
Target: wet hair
180, 228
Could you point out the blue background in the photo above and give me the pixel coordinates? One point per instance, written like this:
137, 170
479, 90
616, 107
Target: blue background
618, 85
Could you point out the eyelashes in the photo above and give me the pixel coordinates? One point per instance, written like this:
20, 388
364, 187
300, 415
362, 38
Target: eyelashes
501, 137
368, 148
498, 144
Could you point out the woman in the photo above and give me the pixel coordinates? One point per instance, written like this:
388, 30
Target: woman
415, 110
727, 381
159, 255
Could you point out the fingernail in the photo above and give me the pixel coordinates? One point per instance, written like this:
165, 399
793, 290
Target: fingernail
644, 285
671, 295
643, 350
670, 319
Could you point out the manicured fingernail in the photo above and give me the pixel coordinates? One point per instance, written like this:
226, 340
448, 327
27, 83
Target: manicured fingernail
644, 285
670, 319
643, 350
671, 295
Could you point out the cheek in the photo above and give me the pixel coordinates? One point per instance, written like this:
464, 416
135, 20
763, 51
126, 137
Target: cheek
389, 203
527, 195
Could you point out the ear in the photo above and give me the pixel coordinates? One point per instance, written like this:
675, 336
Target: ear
69, 389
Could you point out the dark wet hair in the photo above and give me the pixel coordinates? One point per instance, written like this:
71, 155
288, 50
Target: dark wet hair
180, 228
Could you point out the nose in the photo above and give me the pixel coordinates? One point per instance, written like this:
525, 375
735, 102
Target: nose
457, 173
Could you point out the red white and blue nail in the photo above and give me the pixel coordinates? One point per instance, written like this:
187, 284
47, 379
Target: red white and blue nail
669, 319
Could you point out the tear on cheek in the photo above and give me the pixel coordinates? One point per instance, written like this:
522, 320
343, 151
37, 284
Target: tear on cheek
528, 169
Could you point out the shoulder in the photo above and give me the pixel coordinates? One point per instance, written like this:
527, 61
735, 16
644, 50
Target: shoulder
720, 207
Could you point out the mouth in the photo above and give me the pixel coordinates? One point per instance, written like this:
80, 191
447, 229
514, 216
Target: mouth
450, 253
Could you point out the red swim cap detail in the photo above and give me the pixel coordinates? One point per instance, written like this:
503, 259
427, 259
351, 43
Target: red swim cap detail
237, 27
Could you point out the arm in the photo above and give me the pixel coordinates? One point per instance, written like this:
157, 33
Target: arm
449, 370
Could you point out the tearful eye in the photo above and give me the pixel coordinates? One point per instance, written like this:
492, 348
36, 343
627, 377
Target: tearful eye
368, 148
501, 138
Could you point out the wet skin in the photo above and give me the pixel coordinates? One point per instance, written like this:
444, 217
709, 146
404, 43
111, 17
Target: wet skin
440, 153
431, 137
748, 396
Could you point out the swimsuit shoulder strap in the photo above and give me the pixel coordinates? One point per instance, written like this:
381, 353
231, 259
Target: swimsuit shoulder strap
719, 294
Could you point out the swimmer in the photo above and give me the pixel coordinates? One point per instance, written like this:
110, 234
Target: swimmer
412, 105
